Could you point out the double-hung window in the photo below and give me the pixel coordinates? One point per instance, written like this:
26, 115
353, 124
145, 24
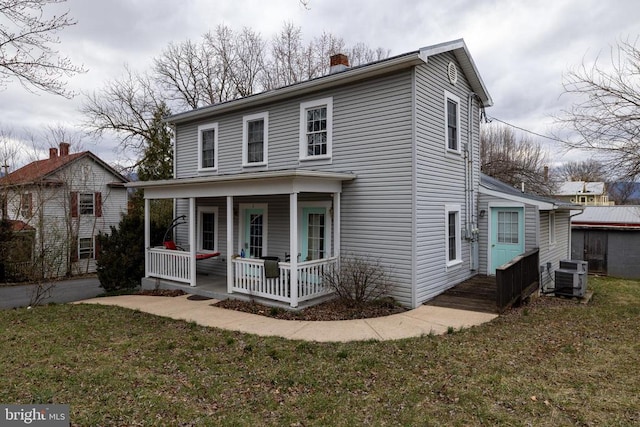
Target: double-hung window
86, 203
85, 248
452, 122
453, 242
552, 228
208, 147
255, 139
316, 133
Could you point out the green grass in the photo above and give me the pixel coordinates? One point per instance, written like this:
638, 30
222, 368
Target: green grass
558, 364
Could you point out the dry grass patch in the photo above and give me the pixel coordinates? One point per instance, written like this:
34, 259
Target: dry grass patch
550, 363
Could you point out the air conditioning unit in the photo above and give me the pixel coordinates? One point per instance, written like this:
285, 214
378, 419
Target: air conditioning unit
570, 283
576, 265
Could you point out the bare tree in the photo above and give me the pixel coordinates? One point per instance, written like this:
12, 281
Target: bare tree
624, 192
606, 115
26, 53
514, 159
587, 170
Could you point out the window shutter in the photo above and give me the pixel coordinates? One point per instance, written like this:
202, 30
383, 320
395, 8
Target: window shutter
96, 246
30, 198
98, 202
74, 248
74, 204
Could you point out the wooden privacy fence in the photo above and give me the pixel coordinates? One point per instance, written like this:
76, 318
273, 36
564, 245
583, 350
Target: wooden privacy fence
517, 279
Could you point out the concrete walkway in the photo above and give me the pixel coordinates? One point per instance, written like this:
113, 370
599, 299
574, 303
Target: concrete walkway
423, 320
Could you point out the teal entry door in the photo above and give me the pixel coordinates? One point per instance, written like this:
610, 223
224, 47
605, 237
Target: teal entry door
507, 235
313, 236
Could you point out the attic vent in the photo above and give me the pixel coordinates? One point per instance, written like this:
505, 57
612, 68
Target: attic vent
452, 71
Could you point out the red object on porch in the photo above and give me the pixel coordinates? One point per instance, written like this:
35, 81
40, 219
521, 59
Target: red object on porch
171, 245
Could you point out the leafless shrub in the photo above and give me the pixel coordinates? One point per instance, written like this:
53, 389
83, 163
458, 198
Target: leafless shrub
358, 279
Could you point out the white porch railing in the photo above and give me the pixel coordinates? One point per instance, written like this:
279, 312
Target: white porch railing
249, 278
168, 264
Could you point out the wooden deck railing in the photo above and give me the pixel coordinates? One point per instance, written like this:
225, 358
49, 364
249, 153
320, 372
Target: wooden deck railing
517, 279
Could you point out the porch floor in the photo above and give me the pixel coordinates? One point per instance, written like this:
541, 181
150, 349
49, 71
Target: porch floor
475, 294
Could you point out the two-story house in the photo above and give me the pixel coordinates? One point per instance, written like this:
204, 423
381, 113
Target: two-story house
584, 193
380, 160
67, 199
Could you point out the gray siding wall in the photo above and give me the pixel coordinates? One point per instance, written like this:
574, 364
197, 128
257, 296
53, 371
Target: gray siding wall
553, 252
440, 177
622, 252
372, 138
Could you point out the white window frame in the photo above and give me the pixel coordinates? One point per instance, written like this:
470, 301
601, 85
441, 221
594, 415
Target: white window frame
447, 210
304, 106
552, 228
93, 204
202, 128
328, 224
92, 253
245, 139
201, 211
448, 96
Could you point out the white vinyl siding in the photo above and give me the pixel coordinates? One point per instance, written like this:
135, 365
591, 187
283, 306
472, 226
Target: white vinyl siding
255, 139
208, 147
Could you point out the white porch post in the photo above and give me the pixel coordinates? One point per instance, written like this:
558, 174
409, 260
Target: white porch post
147, 235
336, 225
192, 241
293, 247
229, 244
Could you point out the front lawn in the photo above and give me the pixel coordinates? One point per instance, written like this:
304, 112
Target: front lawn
547, 364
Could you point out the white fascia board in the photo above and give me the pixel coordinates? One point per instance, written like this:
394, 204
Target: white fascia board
544, 206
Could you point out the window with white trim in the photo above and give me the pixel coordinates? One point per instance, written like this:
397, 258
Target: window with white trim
452, 122
316, 134
255, 139
552, 228
453, 242
86, 204
85, 248
208, 147
207, 229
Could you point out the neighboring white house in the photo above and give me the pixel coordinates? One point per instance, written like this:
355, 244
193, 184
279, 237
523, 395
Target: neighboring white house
380, 160
67, 199
584, 193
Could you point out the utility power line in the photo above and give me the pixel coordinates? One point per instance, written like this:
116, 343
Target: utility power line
525, 130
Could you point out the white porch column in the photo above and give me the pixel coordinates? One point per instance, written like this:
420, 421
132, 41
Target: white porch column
147, 235
336, 225
293, 247
229, 244
192, 240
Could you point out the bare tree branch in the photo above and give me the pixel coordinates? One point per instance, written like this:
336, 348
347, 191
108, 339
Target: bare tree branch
26, 52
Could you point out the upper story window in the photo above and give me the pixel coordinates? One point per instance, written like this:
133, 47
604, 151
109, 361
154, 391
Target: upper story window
86, 204
255, 139
208, 147
316, 129
452, 122
26, 205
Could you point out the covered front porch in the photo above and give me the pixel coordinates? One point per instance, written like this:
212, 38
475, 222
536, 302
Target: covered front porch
239, 234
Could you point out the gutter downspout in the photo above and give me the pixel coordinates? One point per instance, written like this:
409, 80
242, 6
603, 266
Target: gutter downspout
472, 233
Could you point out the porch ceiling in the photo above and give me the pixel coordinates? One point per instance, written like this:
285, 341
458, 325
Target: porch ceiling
245, 184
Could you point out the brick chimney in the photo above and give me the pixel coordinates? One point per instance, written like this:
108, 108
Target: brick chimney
64, 149
339, 62
53, 153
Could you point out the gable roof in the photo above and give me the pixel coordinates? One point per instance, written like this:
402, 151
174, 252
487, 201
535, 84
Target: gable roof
40, 171
492, 186
571, 188
354, 74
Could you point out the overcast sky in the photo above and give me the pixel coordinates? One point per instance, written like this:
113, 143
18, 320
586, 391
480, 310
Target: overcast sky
521, 48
